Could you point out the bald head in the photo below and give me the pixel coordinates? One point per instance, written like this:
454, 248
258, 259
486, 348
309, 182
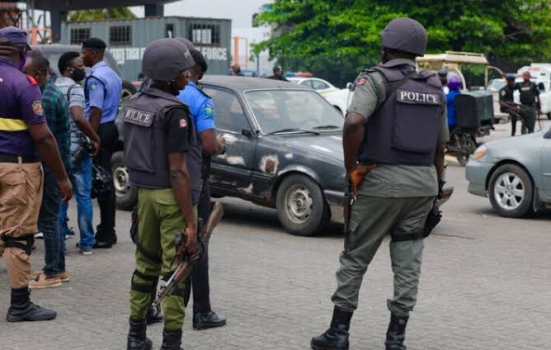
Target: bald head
526, 76
38, 67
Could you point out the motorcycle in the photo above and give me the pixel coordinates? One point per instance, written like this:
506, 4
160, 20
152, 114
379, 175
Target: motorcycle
463, 142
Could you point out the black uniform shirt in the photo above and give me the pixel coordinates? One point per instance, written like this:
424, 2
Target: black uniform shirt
177, 126
528, 93
506, 94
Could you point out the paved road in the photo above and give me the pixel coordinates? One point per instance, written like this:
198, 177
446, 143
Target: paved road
486, 284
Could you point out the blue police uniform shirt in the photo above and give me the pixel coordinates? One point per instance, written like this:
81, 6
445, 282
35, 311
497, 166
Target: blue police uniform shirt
450, 101
200, 105
102, 90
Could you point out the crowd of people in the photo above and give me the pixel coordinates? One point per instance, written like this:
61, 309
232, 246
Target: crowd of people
56, 133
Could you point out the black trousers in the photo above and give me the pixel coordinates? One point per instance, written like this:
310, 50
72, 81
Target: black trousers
514, 118
109, 135
198, 280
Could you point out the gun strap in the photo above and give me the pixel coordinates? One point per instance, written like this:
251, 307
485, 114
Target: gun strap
391, 88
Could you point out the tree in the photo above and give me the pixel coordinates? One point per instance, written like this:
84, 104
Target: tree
347, 32
101, 14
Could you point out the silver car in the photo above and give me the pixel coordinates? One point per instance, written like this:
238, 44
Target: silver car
515, 173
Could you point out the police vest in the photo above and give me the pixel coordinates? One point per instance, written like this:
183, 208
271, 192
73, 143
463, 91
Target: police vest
144, 137
527, 93
405, 127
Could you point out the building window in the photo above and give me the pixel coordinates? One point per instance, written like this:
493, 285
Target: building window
206, 34
120, 35
78, 35
169, 30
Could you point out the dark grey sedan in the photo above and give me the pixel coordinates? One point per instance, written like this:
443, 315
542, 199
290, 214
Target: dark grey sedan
284, 150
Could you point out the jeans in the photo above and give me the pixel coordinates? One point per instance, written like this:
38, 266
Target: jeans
109, 135
81, 177
48, 224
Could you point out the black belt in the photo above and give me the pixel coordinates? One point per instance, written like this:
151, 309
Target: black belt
12, 158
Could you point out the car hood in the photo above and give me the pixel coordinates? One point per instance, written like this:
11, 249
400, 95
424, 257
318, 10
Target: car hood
325, 145
512, 147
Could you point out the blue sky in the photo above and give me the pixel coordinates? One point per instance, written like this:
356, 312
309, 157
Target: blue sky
239, 11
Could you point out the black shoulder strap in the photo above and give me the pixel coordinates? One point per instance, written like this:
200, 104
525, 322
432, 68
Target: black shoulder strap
68, 96
395, 85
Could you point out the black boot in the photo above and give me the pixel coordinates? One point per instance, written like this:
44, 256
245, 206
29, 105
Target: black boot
22, 309
172, 340
336, 337
137, 339
154, 315
396, 333
204, 320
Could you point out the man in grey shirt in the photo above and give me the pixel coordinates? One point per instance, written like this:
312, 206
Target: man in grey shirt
83, 140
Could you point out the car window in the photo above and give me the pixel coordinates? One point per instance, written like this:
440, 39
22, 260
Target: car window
229, 112
292, 109
307, 83
319, 85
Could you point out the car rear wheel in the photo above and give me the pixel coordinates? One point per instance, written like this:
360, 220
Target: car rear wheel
301, 206
126, 195
511, 191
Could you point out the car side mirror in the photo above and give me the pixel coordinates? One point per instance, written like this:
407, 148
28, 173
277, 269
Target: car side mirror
541, 87
247, 132
349, 86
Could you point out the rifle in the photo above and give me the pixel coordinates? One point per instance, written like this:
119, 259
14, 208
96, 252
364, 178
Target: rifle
184, 268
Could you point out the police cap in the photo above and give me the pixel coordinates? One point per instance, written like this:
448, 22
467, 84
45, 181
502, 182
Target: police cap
13, 35
406, 35
510, 76
443, 72
165, 58
94, 44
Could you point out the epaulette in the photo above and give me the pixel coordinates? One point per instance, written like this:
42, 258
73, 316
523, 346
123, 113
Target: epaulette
32, 80
368, 70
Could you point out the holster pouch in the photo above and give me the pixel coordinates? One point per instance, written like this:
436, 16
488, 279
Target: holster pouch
433, 218
14, 242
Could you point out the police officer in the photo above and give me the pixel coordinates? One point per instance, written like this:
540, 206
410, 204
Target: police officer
23, 132
530, 100
202, 114
102, 90
443, 77
507, 101
395, 175
278, 74
159, 134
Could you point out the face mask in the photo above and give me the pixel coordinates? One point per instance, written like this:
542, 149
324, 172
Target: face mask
78, 74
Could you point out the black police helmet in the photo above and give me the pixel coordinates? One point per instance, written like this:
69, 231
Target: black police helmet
406, 35
165, 58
